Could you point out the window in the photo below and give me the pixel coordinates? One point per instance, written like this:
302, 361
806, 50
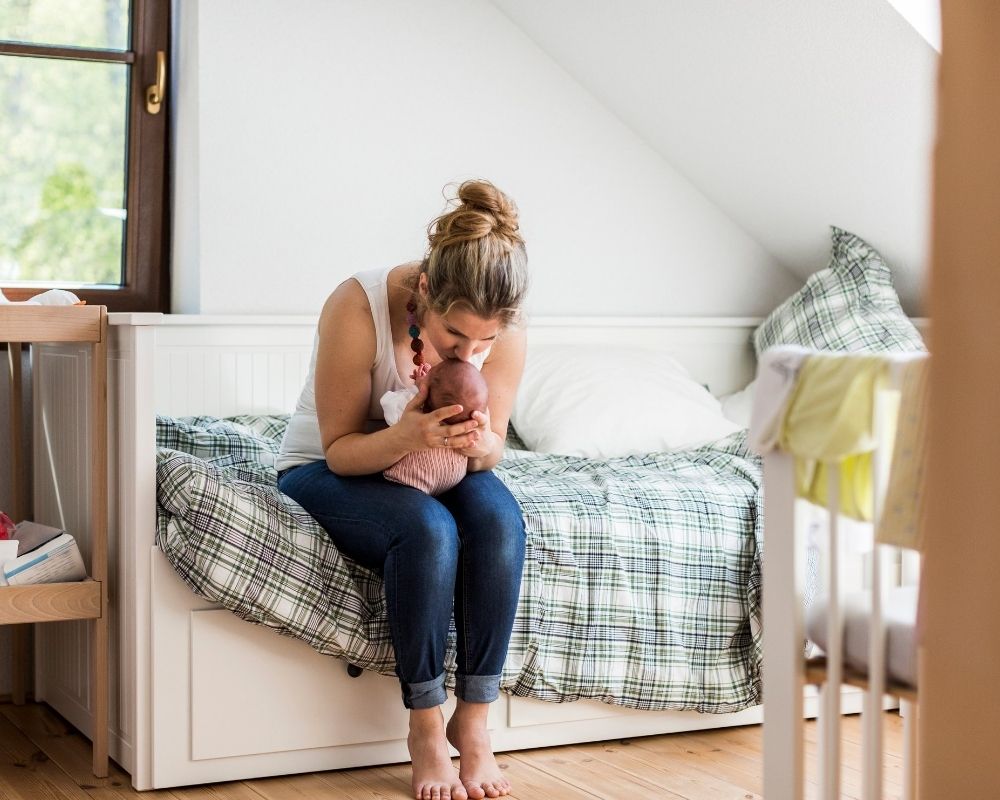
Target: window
83, 160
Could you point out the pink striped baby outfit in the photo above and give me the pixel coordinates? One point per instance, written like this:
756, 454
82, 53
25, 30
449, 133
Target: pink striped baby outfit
434, 470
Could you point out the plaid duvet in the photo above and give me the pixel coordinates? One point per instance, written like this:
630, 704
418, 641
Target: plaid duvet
641, 582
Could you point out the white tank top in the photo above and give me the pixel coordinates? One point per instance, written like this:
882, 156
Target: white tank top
302, 443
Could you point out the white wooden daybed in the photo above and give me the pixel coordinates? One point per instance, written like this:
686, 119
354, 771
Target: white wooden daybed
199, 695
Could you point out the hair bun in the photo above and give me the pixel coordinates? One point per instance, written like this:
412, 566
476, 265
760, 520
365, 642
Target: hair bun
483, 196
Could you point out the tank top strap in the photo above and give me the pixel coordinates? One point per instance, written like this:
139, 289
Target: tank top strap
375, 284
385, 375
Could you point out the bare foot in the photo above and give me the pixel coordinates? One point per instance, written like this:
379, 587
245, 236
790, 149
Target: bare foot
480, 773
434, 776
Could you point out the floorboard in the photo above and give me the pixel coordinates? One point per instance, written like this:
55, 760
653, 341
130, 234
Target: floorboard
42, 757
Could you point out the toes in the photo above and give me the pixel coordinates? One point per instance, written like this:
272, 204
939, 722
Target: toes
475, 790
491, 790
440, 792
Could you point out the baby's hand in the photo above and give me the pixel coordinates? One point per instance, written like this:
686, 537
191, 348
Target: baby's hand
481, 438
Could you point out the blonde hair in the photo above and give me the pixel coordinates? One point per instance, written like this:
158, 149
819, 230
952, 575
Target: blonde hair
476, 256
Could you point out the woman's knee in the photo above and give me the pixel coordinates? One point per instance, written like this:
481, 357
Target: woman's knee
497, 535
494, 512
430, 534
482, 500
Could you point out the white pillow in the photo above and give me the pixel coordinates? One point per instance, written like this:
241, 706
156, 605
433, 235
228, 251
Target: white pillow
739, 405
605, 401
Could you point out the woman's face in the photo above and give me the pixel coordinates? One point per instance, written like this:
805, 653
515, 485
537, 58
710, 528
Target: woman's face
460, 333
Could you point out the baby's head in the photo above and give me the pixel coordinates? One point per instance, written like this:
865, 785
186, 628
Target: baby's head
455, 382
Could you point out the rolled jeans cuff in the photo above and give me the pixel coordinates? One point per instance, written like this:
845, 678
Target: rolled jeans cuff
477, 688
424, 695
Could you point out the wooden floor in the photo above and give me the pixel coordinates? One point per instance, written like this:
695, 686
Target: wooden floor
41, 756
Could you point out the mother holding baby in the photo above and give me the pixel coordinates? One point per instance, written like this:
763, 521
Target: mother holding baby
463, 548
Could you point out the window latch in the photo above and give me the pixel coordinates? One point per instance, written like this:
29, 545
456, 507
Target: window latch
154, 92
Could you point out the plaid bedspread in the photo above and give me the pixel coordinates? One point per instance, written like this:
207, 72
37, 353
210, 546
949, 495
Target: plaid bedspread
641, 581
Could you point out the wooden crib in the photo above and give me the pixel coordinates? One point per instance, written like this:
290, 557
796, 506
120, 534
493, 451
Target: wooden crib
853, 629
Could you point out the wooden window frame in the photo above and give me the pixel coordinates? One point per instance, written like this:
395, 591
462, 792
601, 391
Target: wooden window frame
146, 285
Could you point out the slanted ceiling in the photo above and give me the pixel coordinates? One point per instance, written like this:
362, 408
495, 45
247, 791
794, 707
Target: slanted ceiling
790, 115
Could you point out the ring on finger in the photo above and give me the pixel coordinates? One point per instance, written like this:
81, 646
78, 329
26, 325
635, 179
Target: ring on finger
445, 441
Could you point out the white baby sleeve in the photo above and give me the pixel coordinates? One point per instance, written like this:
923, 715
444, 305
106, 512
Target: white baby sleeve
393, 403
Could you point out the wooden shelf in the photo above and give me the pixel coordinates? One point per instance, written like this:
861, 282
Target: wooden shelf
51, 323
50, 602
88, 599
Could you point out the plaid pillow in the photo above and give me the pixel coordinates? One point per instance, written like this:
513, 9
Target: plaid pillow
251, 436
848, 306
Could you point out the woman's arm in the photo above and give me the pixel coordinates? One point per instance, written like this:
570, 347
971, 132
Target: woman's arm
502, 372
344, 359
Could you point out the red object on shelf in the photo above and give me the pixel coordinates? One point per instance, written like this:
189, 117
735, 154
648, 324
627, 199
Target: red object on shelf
6, 526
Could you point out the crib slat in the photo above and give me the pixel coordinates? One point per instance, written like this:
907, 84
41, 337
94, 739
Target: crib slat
829, 753
872, 710
871, 713
784, 671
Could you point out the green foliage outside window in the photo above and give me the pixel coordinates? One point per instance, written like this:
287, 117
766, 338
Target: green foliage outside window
62, 145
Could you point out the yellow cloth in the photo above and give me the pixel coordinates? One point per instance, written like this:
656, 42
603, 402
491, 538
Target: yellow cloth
830, 418
902, 510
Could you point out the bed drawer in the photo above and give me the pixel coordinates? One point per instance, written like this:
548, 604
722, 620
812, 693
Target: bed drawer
528, 711
253, 691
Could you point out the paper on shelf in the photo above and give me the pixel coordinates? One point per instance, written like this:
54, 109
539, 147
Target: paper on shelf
55, 561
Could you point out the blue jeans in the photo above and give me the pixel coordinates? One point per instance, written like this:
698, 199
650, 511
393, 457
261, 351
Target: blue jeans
463, 548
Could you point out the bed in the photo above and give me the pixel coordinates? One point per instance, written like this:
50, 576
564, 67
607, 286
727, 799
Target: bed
200, 695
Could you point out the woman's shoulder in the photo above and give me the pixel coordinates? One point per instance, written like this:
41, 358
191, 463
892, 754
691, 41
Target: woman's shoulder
346, 319
348, 299
352, 295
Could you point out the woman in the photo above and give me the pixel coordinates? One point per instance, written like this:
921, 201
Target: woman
463, 548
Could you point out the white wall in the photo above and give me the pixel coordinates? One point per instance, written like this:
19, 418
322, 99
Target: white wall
791, 115
313, 140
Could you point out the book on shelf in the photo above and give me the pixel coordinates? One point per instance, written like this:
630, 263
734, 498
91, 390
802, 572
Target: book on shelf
43, 554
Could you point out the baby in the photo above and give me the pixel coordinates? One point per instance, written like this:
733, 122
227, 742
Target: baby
437, 469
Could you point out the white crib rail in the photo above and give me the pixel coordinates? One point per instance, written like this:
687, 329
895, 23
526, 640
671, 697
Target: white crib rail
783, 663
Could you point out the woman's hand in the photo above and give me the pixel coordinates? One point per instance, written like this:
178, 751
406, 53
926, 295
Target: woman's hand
420, 431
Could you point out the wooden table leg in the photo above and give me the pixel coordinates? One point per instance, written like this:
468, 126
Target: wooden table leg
20, 634
99, 545
99, 694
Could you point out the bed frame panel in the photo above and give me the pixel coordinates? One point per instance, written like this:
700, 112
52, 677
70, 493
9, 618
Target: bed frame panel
174, 720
